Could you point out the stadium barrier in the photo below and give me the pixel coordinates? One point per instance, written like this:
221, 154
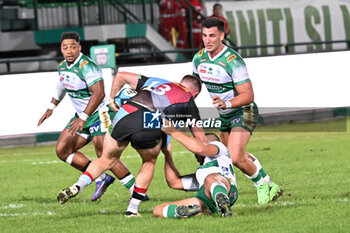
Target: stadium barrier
281, 84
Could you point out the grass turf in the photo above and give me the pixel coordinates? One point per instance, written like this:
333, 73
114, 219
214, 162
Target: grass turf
312, 167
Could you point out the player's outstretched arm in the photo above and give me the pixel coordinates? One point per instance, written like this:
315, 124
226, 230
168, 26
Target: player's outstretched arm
49, 110
192, 144
60, 92
122, 78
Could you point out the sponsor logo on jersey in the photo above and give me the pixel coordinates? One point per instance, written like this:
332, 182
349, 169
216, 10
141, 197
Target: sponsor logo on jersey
94, 128
63, 68
202, 69
231, 58
225, 170
200, 53
62, 78
236, 120
203, 60
218, 72
76, 71
212, 87
210, 70
83, 64
221, 63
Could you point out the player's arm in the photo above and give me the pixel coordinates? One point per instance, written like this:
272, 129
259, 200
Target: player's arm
97, 95
192, 144
59, 95
172, 175
120, 79
245, 96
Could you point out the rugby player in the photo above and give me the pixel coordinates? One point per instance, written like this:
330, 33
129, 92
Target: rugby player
154, 96
82, 79
217, 182
225, 75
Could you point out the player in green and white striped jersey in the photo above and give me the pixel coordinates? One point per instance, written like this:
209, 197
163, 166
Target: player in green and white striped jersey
217, 181
82, 79
225, 75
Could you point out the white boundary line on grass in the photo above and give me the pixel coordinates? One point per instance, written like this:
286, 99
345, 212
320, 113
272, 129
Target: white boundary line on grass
26, 214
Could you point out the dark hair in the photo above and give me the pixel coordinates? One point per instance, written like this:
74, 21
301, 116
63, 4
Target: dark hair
215, 5
212, 137
214, 22
194, 80
70, 35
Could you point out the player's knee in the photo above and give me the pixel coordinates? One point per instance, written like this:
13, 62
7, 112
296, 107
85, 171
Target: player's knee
237, 158
174, 184
108, 163
61, 154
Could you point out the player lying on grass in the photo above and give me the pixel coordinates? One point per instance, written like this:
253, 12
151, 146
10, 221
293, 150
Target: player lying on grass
217, 182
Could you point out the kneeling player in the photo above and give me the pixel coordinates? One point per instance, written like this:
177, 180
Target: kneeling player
217, 192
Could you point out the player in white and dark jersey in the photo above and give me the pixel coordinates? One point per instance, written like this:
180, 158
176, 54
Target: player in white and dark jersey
225, 75
216, 179
138, 122
82, 80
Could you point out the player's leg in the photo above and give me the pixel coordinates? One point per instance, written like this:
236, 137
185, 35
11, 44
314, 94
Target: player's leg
224, 137
143, 178
177, 209
237, 143
119, 170
217, 189
110, 156
67, 150
275, 190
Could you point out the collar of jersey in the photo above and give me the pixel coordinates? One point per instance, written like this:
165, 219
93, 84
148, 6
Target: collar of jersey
217, 55
75, 62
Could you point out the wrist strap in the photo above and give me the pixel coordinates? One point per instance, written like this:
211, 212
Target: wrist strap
51, 106
111, 101
84, 116
228, 104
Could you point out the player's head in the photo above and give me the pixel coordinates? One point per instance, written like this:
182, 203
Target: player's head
70, 46
213, 33
212, 137
217, 9
192, 83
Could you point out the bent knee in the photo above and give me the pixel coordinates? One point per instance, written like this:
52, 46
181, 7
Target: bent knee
61, 154
174, 184
238, 159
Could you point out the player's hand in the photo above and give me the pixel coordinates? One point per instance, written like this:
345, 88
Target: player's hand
168, 127
46, 115
113, 105
76, 126
218, 102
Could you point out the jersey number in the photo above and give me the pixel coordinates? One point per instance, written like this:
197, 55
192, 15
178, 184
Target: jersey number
161, 89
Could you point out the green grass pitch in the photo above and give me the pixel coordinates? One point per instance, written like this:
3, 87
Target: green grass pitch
312, 167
